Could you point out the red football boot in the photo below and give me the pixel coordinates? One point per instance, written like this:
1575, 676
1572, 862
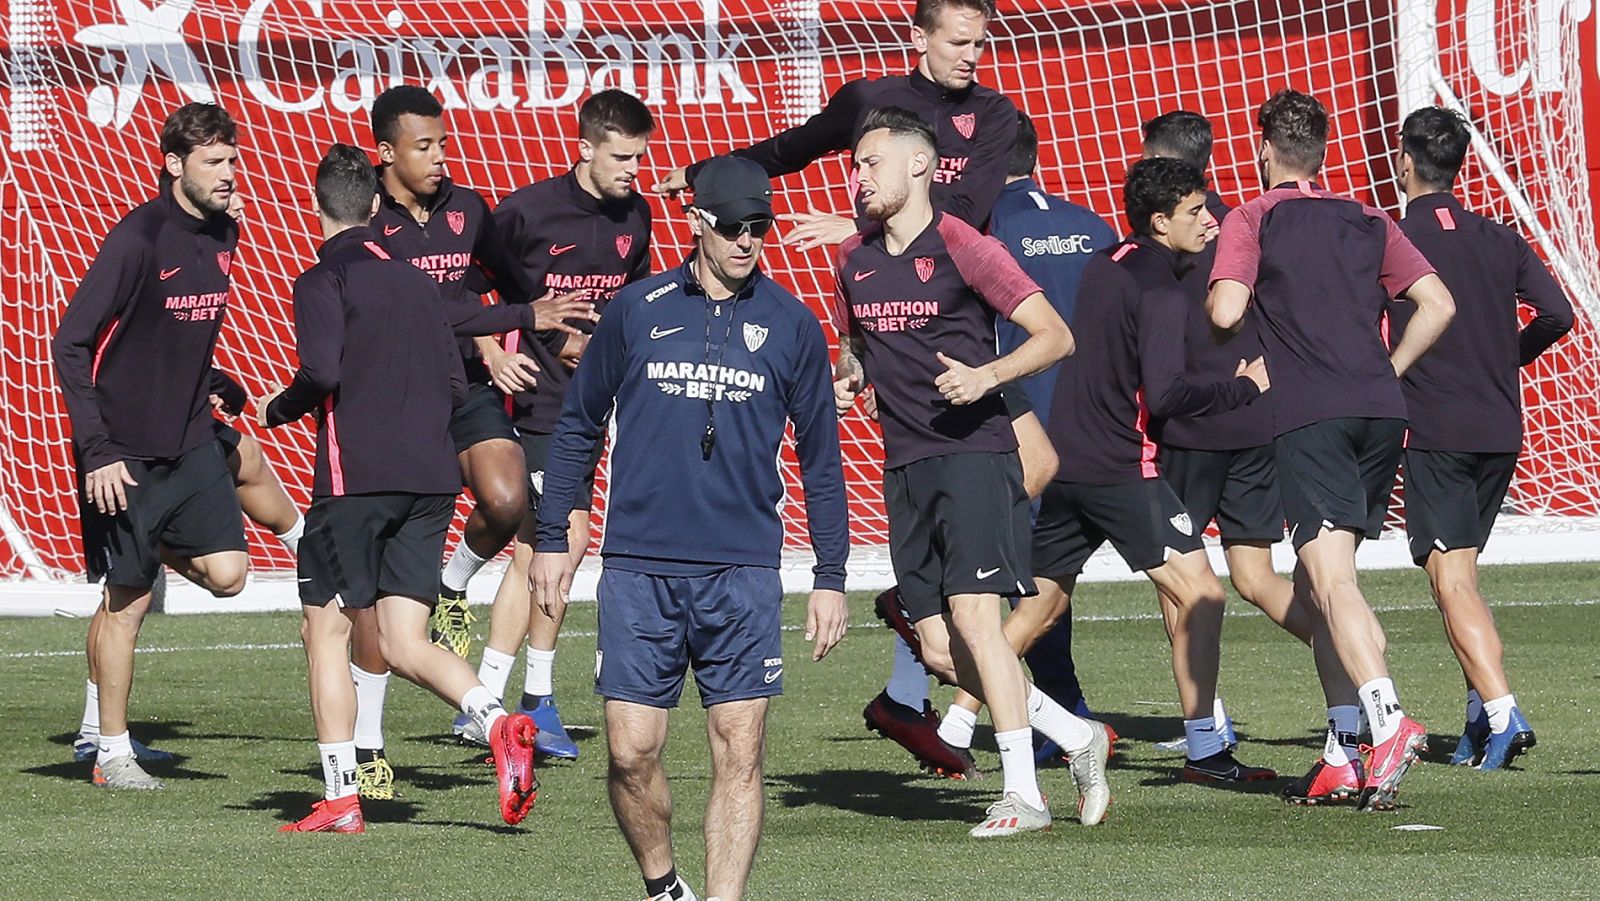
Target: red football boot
337, 815
511, 741
918, 733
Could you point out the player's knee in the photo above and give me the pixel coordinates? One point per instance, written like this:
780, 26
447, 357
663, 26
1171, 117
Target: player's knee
939, 662
226, 580
633, 762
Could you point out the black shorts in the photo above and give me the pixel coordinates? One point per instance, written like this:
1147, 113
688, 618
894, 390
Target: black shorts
361, 547
482, 417
1237, 488
1338, 474
1452, 499
958, 524
185, 504
536, 449
1143, 520
228, 436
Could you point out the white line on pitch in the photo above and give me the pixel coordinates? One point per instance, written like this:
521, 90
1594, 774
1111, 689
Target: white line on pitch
1081, 618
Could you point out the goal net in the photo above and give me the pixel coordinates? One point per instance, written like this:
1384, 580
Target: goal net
88, 82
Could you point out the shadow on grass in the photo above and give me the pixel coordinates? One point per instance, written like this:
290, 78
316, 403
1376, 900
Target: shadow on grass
900, 796
79, 771
290, 806
1161, 776
156, 733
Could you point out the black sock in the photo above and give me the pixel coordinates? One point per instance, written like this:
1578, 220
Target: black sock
367, 755
667, 883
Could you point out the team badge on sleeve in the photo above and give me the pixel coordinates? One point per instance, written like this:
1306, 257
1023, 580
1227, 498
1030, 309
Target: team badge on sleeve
924, 268
457, 221
624, 244
965, 123
754, 336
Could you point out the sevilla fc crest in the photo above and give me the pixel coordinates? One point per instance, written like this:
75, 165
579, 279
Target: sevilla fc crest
457, 221
225, 260
624, 244
924, 268
754, 336
1182, 523
965, 123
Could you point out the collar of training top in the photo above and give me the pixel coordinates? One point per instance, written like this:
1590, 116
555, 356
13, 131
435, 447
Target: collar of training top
1179, 263
922, 84
361, 233
434, 203
1435, 201
589, 203
188, 221
692, 287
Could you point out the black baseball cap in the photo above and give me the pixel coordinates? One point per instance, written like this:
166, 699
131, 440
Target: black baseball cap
733, 189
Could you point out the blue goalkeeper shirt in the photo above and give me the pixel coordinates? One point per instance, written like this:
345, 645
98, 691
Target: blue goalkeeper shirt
673, 363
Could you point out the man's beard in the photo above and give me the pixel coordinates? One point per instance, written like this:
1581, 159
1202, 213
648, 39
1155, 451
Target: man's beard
202, 199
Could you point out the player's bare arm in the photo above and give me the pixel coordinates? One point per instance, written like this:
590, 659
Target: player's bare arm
1435, 309
815, 228
1226, 305
849, 378
1049, 340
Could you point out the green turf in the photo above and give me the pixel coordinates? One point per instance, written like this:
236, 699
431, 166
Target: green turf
848, 817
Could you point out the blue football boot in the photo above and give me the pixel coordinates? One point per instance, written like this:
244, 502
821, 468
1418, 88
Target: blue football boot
552, 739
88, 748
1469, 750
1503, 747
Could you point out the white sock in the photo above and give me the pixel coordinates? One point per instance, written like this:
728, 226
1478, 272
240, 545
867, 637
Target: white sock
540, 678
112, 746
90, 726
495, 670
1332, 750
957, 725
461, 567
1344, 726
291, 538
908, 681
1219, 714
370, 691
1499, 710
1204, 739
1474, 704
481, 704
1016, 759
1382, 705
1068, 730
338, 769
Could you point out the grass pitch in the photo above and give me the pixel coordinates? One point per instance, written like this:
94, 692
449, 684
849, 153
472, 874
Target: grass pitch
848, 815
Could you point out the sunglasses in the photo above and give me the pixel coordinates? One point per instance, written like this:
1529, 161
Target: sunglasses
757, 228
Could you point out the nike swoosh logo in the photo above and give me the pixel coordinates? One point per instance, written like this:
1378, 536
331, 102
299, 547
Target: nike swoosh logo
864, 275
657, 332
391, 229
169, 273
559, 249
772, 676
986, 573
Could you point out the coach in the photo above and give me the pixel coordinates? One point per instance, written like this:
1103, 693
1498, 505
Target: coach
705, 364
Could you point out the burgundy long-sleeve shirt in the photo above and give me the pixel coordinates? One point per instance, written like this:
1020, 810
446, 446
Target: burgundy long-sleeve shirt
459, 246
1463, 394
133, 351
1129, 367
975, 129
564, 239
379, 368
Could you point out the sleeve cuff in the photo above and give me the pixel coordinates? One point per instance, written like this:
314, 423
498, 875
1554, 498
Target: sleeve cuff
827, 582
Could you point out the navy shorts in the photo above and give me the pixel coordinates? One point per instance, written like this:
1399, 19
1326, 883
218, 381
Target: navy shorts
481, 417
726, 625
1452, 499
185, 504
